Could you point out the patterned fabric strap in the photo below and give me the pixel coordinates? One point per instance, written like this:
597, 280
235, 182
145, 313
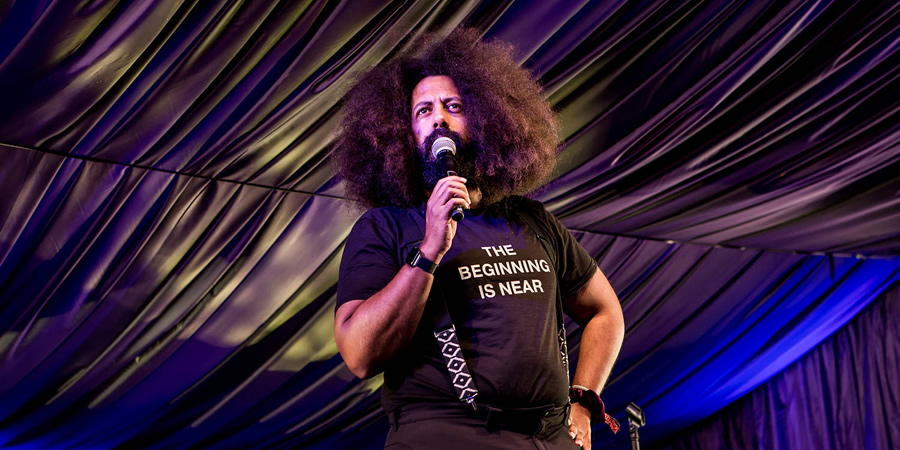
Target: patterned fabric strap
459, 372
611, 422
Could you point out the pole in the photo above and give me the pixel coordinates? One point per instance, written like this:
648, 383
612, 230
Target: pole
633, 434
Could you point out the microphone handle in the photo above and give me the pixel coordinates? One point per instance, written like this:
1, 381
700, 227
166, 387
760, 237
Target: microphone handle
449, 164
457, 213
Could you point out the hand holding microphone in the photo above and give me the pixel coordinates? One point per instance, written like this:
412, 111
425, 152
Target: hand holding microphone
444, 151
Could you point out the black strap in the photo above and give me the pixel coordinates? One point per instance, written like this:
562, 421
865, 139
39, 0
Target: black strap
540, 230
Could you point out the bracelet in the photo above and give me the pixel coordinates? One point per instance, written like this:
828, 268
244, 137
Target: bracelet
589, 399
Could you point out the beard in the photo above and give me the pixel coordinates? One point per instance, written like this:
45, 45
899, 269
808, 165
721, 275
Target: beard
464, 158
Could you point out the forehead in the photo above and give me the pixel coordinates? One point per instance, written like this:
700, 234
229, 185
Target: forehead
434, 87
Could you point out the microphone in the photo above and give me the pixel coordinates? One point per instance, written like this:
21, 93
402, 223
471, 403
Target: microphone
444, 149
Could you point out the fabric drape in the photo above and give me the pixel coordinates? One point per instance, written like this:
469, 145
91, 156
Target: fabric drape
170, 226
844, 394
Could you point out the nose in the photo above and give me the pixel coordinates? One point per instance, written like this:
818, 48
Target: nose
439, 118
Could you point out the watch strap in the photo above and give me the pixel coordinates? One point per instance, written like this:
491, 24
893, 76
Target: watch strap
417, 259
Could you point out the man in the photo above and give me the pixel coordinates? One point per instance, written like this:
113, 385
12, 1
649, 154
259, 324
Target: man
496, 278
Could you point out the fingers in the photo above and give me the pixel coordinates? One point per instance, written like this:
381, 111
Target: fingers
450, 187
450, 182
583, 441
449, 193
581, 438
448, 208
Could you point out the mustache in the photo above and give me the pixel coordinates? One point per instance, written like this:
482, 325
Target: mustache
465, 159
441, 132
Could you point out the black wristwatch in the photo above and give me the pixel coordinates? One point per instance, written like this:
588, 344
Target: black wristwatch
417, 259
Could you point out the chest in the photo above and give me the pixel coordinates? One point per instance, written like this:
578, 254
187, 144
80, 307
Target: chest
494, 271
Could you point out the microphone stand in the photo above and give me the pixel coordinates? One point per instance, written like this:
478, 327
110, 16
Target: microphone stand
636, 419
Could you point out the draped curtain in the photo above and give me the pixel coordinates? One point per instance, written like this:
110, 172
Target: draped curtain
844, 394
170, 226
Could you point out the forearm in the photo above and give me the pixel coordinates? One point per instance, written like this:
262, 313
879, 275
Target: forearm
371, 332
601, 340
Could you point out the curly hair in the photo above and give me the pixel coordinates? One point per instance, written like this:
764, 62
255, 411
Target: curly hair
514, 131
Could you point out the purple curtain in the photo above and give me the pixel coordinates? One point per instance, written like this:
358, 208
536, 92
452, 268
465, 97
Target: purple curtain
705, 325
170, 226
843, 395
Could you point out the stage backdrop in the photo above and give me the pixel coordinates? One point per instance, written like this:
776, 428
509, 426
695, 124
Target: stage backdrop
841, 395
170, 227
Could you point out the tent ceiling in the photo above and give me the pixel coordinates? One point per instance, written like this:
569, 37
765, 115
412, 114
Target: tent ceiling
170, 226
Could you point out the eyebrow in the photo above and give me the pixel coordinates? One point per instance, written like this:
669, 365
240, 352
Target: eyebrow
443, 100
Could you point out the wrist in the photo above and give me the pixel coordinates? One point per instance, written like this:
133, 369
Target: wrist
432, 252
417, 259
590, 401
578, 408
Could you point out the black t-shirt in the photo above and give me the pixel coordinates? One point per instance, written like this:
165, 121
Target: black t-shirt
499, 285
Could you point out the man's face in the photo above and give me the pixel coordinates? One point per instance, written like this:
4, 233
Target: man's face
436, 103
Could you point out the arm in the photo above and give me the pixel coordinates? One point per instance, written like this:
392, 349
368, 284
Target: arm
596, 307
371, 332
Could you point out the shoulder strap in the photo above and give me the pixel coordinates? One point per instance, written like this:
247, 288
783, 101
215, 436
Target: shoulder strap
539, 226
445, 331
540, 229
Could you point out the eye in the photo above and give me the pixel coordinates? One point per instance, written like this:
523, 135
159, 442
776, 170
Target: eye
454, 107
422, 110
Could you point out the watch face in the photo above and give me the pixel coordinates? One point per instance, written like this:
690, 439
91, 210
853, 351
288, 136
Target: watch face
416, 259
413, 257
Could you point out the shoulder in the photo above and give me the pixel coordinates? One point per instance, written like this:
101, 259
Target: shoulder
519, 203
533, 208
518, 200
389, 223
388, 216
382, 211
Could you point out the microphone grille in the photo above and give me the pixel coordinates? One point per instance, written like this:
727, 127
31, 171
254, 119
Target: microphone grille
443, 144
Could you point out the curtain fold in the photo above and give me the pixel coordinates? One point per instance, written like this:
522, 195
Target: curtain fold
844, 394
706, 325
170, 225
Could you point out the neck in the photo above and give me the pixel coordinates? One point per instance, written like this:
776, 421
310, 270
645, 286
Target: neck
475, 197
